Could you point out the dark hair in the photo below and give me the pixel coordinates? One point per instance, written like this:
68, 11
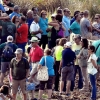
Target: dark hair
91, 47
76, 12
57, 41
23, 18
48, 51
14, 19
59, 11
4, 89
33, 8
76, 16
85, 43
62, 41
59, 18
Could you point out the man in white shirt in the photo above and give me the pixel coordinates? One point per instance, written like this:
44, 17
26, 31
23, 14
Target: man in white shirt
35, 29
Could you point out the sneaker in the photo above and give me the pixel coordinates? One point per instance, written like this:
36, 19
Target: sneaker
68, 94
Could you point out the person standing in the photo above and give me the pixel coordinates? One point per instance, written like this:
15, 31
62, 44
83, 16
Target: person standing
22, 33
35, 55
67, 71
66, 21
19, 70
43, 23
7, 50
86, 25
76, 47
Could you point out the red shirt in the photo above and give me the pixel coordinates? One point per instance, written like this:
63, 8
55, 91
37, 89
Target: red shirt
22, 35
36, 54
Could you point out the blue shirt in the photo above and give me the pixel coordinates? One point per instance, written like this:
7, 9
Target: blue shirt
96, 43
49, 64
2, 8
43, 23
75, 28
29, 21
72, 20
14, 14
67, 56
66, 23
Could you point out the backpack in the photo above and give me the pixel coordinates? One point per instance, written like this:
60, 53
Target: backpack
8, 51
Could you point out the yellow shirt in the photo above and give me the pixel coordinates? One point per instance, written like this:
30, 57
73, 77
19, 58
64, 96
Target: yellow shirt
58, 53
76, 48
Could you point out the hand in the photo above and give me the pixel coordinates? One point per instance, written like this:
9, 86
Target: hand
59, 70
40, 31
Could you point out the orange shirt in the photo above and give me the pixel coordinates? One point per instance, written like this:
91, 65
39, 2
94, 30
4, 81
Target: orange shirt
22, 33
36, 54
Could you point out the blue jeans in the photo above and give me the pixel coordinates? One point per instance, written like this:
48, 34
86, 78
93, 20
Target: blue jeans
93, 84
80, 81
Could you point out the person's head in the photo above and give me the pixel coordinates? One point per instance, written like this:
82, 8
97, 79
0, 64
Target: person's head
91, 49
62, 41
34, 41
6, 1
19, 53
76, 12
59, 11
53, 17
82, 14
16, 9
29, 14
97, 18
66, 12
22, 19
47, 52
59, 18
86, 13
15, 19
4, 89
36, 18
43, 14
78, 17
35, 10
9, 38
68, 45
57, 41
77, 38
85, 43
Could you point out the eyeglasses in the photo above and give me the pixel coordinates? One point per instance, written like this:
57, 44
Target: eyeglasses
96, 18
32, 42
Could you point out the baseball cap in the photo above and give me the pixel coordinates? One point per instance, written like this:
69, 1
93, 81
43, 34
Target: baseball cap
68, 44
9, 38
18, 51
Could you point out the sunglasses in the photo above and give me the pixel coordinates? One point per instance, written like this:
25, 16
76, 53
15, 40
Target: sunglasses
32, 42
96, 18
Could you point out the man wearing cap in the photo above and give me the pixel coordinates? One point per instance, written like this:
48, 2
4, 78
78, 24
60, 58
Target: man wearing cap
67, 64
4, 60
35, 55
16, 12
8, 28
76, 47
19, 70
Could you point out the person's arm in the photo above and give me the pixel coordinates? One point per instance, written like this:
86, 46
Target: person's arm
54, 24
89, 26
27, 68
42, 61
11, 66
60, 67
98, 30
3, 18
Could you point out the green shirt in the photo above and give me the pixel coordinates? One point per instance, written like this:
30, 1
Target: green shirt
2, 46
75, 27
96, 43
8, 28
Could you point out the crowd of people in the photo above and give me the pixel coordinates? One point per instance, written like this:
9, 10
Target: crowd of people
37, 53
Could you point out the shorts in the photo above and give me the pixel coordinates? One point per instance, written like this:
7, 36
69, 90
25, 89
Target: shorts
4, 66
22, 46
18, 83
48, 83
67, 73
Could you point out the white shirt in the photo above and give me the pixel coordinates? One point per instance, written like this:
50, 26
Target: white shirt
35, 27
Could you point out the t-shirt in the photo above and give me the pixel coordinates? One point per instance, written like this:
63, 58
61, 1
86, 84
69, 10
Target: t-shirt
68, 57
43, 23
96, 43
75, 27
76, 48
72, 20
35, 27
14, 14
22, 33
10, 5
8, 28
2, 46
49, 64
19, 68
58, 53
84, 23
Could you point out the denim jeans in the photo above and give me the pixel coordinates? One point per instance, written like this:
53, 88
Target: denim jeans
80, 81
93, 84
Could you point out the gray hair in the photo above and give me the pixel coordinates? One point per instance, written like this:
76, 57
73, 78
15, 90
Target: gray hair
16, 7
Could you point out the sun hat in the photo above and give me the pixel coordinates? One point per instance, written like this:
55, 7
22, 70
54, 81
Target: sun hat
18, 51
9, 38
34, 39
68, 44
